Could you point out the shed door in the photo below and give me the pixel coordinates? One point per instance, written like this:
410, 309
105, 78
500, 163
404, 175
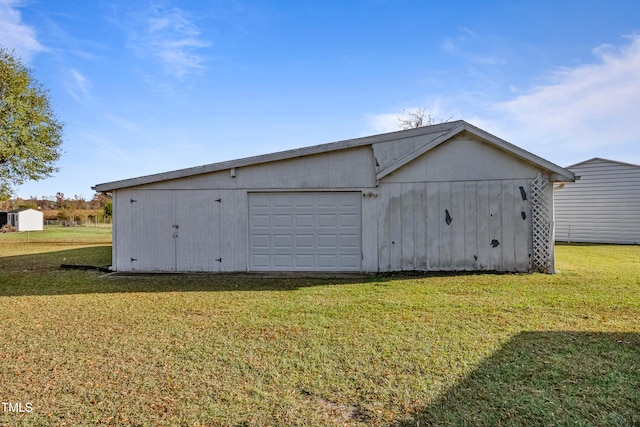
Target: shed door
174, 230
305, 231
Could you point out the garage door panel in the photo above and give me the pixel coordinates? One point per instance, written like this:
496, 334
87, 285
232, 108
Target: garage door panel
305, 231
304, 200
304, 241
260, 221
349, 241
305, 220
282, 220
326, 200
327, 241
326, 220
304, 261
349, 220
260, 261
260, 241
282, 201
281, 241
350, 262
284, 261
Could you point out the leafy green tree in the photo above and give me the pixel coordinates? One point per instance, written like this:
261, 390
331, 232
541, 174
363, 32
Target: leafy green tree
30, 132
108, 209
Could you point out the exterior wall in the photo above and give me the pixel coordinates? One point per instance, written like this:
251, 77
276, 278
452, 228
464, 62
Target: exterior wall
350, 168
388, 152
461, 206
146, 225
455, 226
463, 159
603, 206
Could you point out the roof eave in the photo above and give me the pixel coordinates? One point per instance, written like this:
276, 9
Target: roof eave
272, 157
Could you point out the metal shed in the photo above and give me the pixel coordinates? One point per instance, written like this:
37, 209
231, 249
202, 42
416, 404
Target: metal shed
603, 206
445, 197
26, 219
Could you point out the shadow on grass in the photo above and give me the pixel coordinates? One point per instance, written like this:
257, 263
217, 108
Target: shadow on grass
547, 378
40, 273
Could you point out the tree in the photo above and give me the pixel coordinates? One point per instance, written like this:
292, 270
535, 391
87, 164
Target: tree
416, 119
30, 132
108, 210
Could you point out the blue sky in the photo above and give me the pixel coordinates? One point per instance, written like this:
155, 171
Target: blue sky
152, 86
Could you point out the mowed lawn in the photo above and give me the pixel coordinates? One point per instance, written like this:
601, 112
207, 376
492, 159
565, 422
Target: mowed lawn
510, 350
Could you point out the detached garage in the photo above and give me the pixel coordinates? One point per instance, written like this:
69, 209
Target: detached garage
446, 197
603, 206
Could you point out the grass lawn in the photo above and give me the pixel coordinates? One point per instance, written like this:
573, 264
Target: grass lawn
511, 350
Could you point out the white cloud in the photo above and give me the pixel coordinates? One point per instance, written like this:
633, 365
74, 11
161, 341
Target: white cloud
390, 122
79, 86
582, 108
14, 34
171, 36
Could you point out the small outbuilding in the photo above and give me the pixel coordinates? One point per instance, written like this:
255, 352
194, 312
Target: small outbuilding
602, 206
26, 219
447, 197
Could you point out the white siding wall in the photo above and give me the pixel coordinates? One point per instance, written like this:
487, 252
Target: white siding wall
28, 220
351, 168
488, 226
451, 226
603, 206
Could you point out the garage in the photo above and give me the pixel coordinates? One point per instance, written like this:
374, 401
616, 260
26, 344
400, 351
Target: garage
312, 231
446, 197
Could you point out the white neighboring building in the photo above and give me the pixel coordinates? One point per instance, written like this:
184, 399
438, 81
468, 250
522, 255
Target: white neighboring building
602, 205
26, 219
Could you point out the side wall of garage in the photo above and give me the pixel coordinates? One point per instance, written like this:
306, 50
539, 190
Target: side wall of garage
462, 206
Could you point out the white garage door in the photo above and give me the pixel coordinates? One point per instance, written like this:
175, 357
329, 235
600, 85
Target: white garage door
305, 231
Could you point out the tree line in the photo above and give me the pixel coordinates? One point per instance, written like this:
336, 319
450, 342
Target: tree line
76, 209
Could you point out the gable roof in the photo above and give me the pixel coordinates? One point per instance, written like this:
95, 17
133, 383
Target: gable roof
600, 159
22, 210
433, 136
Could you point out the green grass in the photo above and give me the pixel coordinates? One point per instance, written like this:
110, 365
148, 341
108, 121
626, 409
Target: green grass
100, 233
235, 350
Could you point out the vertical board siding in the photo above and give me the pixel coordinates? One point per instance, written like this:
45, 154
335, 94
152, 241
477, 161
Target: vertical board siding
198, 243
471, 223
153, 247
509, 217
449, 226
433, 241
167, 230
458, 226
384, 229
603, 206
523, 233
408, 227
420, 225
395, 227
